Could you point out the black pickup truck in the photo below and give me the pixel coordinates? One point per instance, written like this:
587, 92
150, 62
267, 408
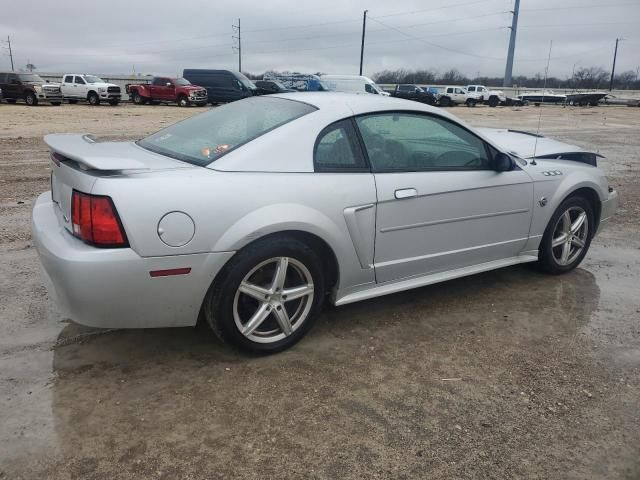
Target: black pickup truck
414, 92
30, 88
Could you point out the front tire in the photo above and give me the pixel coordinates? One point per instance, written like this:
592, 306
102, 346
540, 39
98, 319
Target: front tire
183, 101
567, 237
445, 101
30, 99
93, 98
268, 295
138, 99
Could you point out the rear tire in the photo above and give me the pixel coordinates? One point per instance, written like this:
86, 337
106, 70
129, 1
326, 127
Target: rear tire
471, 103
445, 102
281, 321
30, 99
93, 98
566, 241
493, 102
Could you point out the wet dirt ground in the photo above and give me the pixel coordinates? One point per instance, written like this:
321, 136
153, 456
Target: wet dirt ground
504, 375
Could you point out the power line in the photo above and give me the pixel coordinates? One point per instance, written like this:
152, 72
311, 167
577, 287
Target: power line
433, 44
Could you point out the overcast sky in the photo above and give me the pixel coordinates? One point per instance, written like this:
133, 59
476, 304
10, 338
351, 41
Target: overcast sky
163, 37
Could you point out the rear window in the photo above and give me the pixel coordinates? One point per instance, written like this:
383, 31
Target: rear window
204, 138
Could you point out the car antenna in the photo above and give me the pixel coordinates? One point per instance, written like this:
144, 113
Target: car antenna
544, 89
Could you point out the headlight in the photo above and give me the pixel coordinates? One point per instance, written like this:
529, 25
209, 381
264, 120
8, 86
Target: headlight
37, 88
102, 89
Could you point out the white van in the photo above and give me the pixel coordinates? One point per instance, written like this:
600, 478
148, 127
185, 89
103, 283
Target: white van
351, 84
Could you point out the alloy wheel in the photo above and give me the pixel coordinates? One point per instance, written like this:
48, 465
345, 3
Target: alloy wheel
570, 235
273, 300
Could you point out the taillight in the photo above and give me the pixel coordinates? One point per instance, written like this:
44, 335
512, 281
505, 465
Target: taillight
95, 220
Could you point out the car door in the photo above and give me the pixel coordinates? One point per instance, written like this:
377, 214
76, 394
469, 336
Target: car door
80, 88
66, 87
12, 88
441, 205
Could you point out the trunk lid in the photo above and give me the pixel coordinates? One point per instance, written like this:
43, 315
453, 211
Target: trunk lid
79, 160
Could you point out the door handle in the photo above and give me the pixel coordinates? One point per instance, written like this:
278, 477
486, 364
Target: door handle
406, 193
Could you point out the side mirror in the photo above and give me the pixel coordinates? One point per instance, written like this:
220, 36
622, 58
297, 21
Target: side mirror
503, 162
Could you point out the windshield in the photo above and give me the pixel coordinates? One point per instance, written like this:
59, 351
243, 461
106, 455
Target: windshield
30, 77
181, 81
376, 87
93, 79
246, 82
204, 138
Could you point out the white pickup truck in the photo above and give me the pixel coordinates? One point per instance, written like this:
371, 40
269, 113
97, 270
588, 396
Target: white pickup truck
451, 95
80, 87
493, 98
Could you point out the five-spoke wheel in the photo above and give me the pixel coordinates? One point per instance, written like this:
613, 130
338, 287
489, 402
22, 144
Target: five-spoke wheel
568, 236
267, 296
273, 299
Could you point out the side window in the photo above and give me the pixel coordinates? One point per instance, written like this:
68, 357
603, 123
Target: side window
337, 150
13, 78
368, 88
449, 90
79, 80
68, 79
409, 142
472, 89
157, 81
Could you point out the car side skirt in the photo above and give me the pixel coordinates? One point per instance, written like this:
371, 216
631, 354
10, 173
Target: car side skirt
421, 281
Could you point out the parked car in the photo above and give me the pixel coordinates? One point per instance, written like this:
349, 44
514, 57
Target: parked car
81, 87
493, 98
266, 87
352, 84
300, 82
414, 92
450, 96
249, 215
29, 87
167, 90
222, 86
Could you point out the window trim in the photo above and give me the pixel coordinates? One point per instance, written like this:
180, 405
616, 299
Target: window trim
487, 147
353, 137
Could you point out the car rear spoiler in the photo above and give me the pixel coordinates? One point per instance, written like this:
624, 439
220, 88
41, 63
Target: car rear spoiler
89, 154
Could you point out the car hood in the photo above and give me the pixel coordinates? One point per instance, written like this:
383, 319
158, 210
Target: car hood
43, 84
102, 84
530, 145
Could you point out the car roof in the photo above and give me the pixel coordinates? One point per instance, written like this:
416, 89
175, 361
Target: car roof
358, 102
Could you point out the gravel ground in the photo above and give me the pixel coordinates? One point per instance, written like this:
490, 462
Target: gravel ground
508, 374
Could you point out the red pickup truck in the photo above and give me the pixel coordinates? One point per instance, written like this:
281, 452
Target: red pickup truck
165, 90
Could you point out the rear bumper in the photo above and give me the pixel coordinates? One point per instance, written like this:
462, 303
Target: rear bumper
112, 288
608, 209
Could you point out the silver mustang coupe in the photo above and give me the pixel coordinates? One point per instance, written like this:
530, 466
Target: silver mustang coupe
249, 215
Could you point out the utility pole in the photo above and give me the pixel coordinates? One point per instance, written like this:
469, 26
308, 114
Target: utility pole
236, 29
512, 45
10, 52
364, 27
613, 68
